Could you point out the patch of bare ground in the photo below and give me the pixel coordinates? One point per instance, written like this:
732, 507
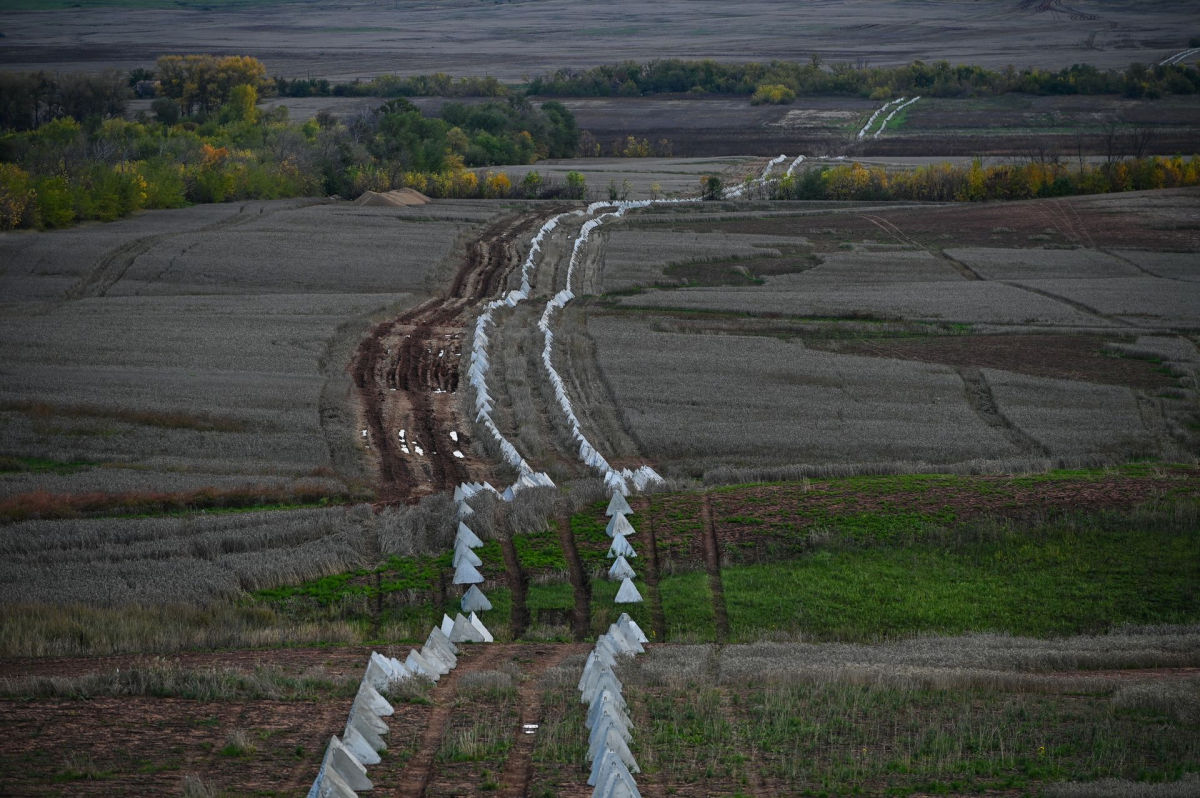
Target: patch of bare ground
1068, 357
406, 373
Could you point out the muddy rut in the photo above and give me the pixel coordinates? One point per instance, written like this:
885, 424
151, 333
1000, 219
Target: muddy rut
406, 372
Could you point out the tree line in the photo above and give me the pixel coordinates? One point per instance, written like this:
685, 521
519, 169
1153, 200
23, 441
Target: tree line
779, 81
208, 141
977, 182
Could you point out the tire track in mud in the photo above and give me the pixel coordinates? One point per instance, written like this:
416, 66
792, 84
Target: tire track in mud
712, 563
113, 265
983, 402
406, 372
421, 767
1071, 303
581, 613
892, 229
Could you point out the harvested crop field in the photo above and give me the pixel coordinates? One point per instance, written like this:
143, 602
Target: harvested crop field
205, 347
938, 335
347, 40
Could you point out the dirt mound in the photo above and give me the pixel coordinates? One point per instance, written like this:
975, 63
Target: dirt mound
397, 198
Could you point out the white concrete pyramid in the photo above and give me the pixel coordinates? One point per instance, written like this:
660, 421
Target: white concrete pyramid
619, 525
436, 660
604, 680
616, 782
474, 600
620, 548
447, 625
358, 746
377, 675
630, 625
434, 650
363, 728
342, 761
330, 785
608, 703
628, 594
604, 767
605, 724
364, 718
483, 630
371, 700
467, 574
397, 669
464, 632
465, 534
441, 640
621, 569
628, 640
463, 553
418, 665
618, 505
612, 741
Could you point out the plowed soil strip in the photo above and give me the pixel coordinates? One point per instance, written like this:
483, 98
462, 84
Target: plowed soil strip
712, 563
657, 619
518, 768
581, 614
518, 584
406, 372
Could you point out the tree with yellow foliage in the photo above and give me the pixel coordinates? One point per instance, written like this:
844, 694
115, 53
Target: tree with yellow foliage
203, 83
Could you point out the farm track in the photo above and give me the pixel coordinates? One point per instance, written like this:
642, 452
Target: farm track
712, 563
518, 767
518, 584
657, 618
406, 372
581, 588
110, 268
891, 228
419, 769
983, 402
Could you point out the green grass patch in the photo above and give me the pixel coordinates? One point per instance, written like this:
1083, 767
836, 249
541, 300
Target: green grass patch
14, 464
1054, 581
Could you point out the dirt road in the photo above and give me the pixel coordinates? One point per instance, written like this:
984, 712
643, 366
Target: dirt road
406, 373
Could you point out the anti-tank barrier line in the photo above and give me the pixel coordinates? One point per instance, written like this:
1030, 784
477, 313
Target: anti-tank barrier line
883, 125
862, 133
1172, 60
479, 363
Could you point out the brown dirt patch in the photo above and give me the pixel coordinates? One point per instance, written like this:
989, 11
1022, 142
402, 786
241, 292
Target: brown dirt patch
1068, 357
406, 373
397, 198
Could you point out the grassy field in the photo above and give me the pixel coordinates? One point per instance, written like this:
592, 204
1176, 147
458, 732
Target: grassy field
903, 634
